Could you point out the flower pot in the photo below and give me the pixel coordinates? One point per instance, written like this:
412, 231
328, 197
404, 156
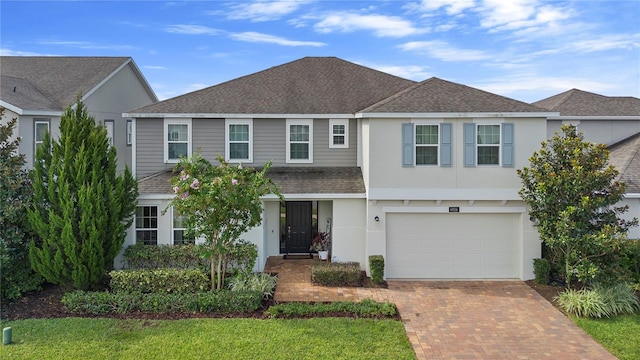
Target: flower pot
323, 255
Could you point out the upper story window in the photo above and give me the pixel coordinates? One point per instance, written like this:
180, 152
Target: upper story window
426, 144
239, 144
147, 225
339, 133
129, 132
299, 140
108, 124
488, 143
41, 128
177, 135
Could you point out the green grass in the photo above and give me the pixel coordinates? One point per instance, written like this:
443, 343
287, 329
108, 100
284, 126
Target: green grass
82, 338
620, 335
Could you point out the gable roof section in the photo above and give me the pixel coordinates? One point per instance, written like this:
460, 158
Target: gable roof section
625, 156
582, 103
311, 85
53, 82
435, 95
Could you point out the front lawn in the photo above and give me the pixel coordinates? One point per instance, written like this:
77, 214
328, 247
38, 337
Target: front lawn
84, 338
620, 335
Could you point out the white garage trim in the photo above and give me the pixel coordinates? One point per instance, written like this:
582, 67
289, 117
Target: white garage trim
462, 209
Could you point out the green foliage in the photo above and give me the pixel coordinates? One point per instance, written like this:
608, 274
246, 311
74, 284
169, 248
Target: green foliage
81, 207
241, 257
262, 282
140, 256
337, 274
365, 308
158, 281
601, 301
100, 303
221, 203
16, 275
571, 192
620, 335
541, 270
376, 264
630, 259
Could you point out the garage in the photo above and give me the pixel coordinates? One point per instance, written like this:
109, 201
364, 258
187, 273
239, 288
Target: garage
451, 246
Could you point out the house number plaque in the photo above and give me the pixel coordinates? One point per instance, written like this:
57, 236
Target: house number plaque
454, 209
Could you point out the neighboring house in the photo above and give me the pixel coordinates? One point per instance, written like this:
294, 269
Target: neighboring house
36, 90
610, 120
421, 173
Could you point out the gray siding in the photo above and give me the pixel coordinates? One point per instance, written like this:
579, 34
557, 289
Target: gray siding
269, 141
325, 156
149, 147
208, 138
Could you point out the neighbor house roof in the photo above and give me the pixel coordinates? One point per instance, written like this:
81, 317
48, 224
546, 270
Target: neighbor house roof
625, 156
289, 180
311, 85
54, 82
582, 103
435, 95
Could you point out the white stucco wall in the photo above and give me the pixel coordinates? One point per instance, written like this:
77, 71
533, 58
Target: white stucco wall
349, 231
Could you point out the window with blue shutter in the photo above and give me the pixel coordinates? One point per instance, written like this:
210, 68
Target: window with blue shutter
507, 145
445, 145
469, 135
407, 144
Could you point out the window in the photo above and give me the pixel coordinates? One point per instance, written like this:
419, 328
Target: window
179, 230
488, 143
338, 133
129, 132
426, 144
177, 139
147, 225
239, 134
41, 128
299, 141
108, 124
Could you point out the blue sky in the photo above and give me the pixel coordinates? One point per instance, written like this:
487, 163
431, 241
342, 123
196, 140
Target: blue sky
524, 49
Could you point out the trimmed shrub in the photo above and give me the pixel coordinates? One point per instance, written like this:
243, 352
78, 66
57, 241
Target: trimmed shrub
601, 301
141, 256
337, 274
630, 259
541, 269
376, 264
99, 303
159, 281
262, 282
365, 308
242, 257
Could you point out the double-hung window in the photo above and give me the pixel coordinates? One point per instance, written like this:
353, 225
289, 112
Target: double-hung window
299, 140
488, 144
179, 230
108, 124
129, 132
147, 225
339, 133
426, 144
177, 136
41, 128
239, 144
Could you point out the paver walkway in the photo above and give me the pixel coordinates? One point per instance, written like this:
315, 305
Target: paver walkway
458, 319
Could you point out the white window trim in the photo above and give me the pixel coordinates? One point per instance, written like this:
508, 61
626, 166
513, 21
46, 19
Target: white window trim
499, 145
308, 122
165, 130
135, 222
110, 125
227, 142
129, 132
415, 143
345, 123
35, 133
173, 229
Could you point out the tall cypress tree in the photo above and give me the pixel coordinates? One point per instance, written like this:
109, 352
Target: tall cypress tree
81, 207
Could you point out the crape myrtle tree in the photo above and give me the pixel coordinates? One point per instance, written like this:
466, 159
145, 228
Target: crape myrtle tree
16, 276
571, 191
220, 203
81, 206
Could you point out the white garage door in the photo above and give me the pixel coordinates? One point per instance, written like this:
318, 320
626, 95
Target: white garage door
451, 246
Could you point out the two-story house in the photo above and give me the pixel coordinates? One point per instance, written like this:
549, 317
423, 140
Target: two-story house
610, 120
37, 89
421, 173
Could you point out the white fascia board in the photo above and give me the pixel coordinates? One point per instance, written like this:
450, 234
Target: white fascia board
239, 116
143, 80
443, 194
11, 107
155, 197
632, 196
107, 78
461, 209
608, 117
314, 196
24, 112
459, 115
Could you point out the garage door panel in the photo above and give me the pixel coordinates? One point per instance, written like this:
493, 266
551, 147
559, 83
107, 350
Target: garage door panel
451, 245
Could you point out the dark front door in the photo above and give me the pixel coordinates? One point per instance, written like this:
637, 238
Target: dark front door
298, 226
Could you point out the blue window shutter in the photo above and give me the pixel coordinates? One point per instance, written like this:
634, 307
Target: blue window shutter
445, 144
469, 144
507, 145
407, 144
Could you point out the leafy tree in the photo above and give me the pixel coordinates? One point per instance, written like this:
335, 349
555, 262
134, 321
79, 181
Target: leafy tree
81, 207
571, 192
16, 276
220, 203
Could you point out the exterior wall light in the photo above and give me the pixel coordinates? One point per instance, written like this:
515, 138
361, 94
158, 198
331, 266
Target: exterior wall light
377, 218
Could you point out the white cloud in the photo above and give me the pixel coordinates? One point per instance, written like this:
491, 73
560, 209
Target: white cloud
263, 10
192, 30
452, 7
413, 72
608, 42
381, 25
443, 51
85, 45
9, 52
154, 67
256, 37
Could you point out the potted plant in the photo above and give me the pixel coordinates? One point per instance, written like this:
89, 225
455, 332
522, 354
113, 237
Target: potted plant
320, 243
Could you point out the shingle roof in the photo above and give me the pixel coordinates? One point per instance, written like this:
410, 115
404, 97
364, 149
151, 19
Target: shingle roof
437, 95
582, 103
58, 80
289, 180
311, 85
625, 156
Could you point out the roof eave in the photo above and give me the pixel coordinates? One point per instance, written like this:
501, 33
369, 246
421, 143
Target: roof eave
592, 117
28, 112
237, 116
455, 114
